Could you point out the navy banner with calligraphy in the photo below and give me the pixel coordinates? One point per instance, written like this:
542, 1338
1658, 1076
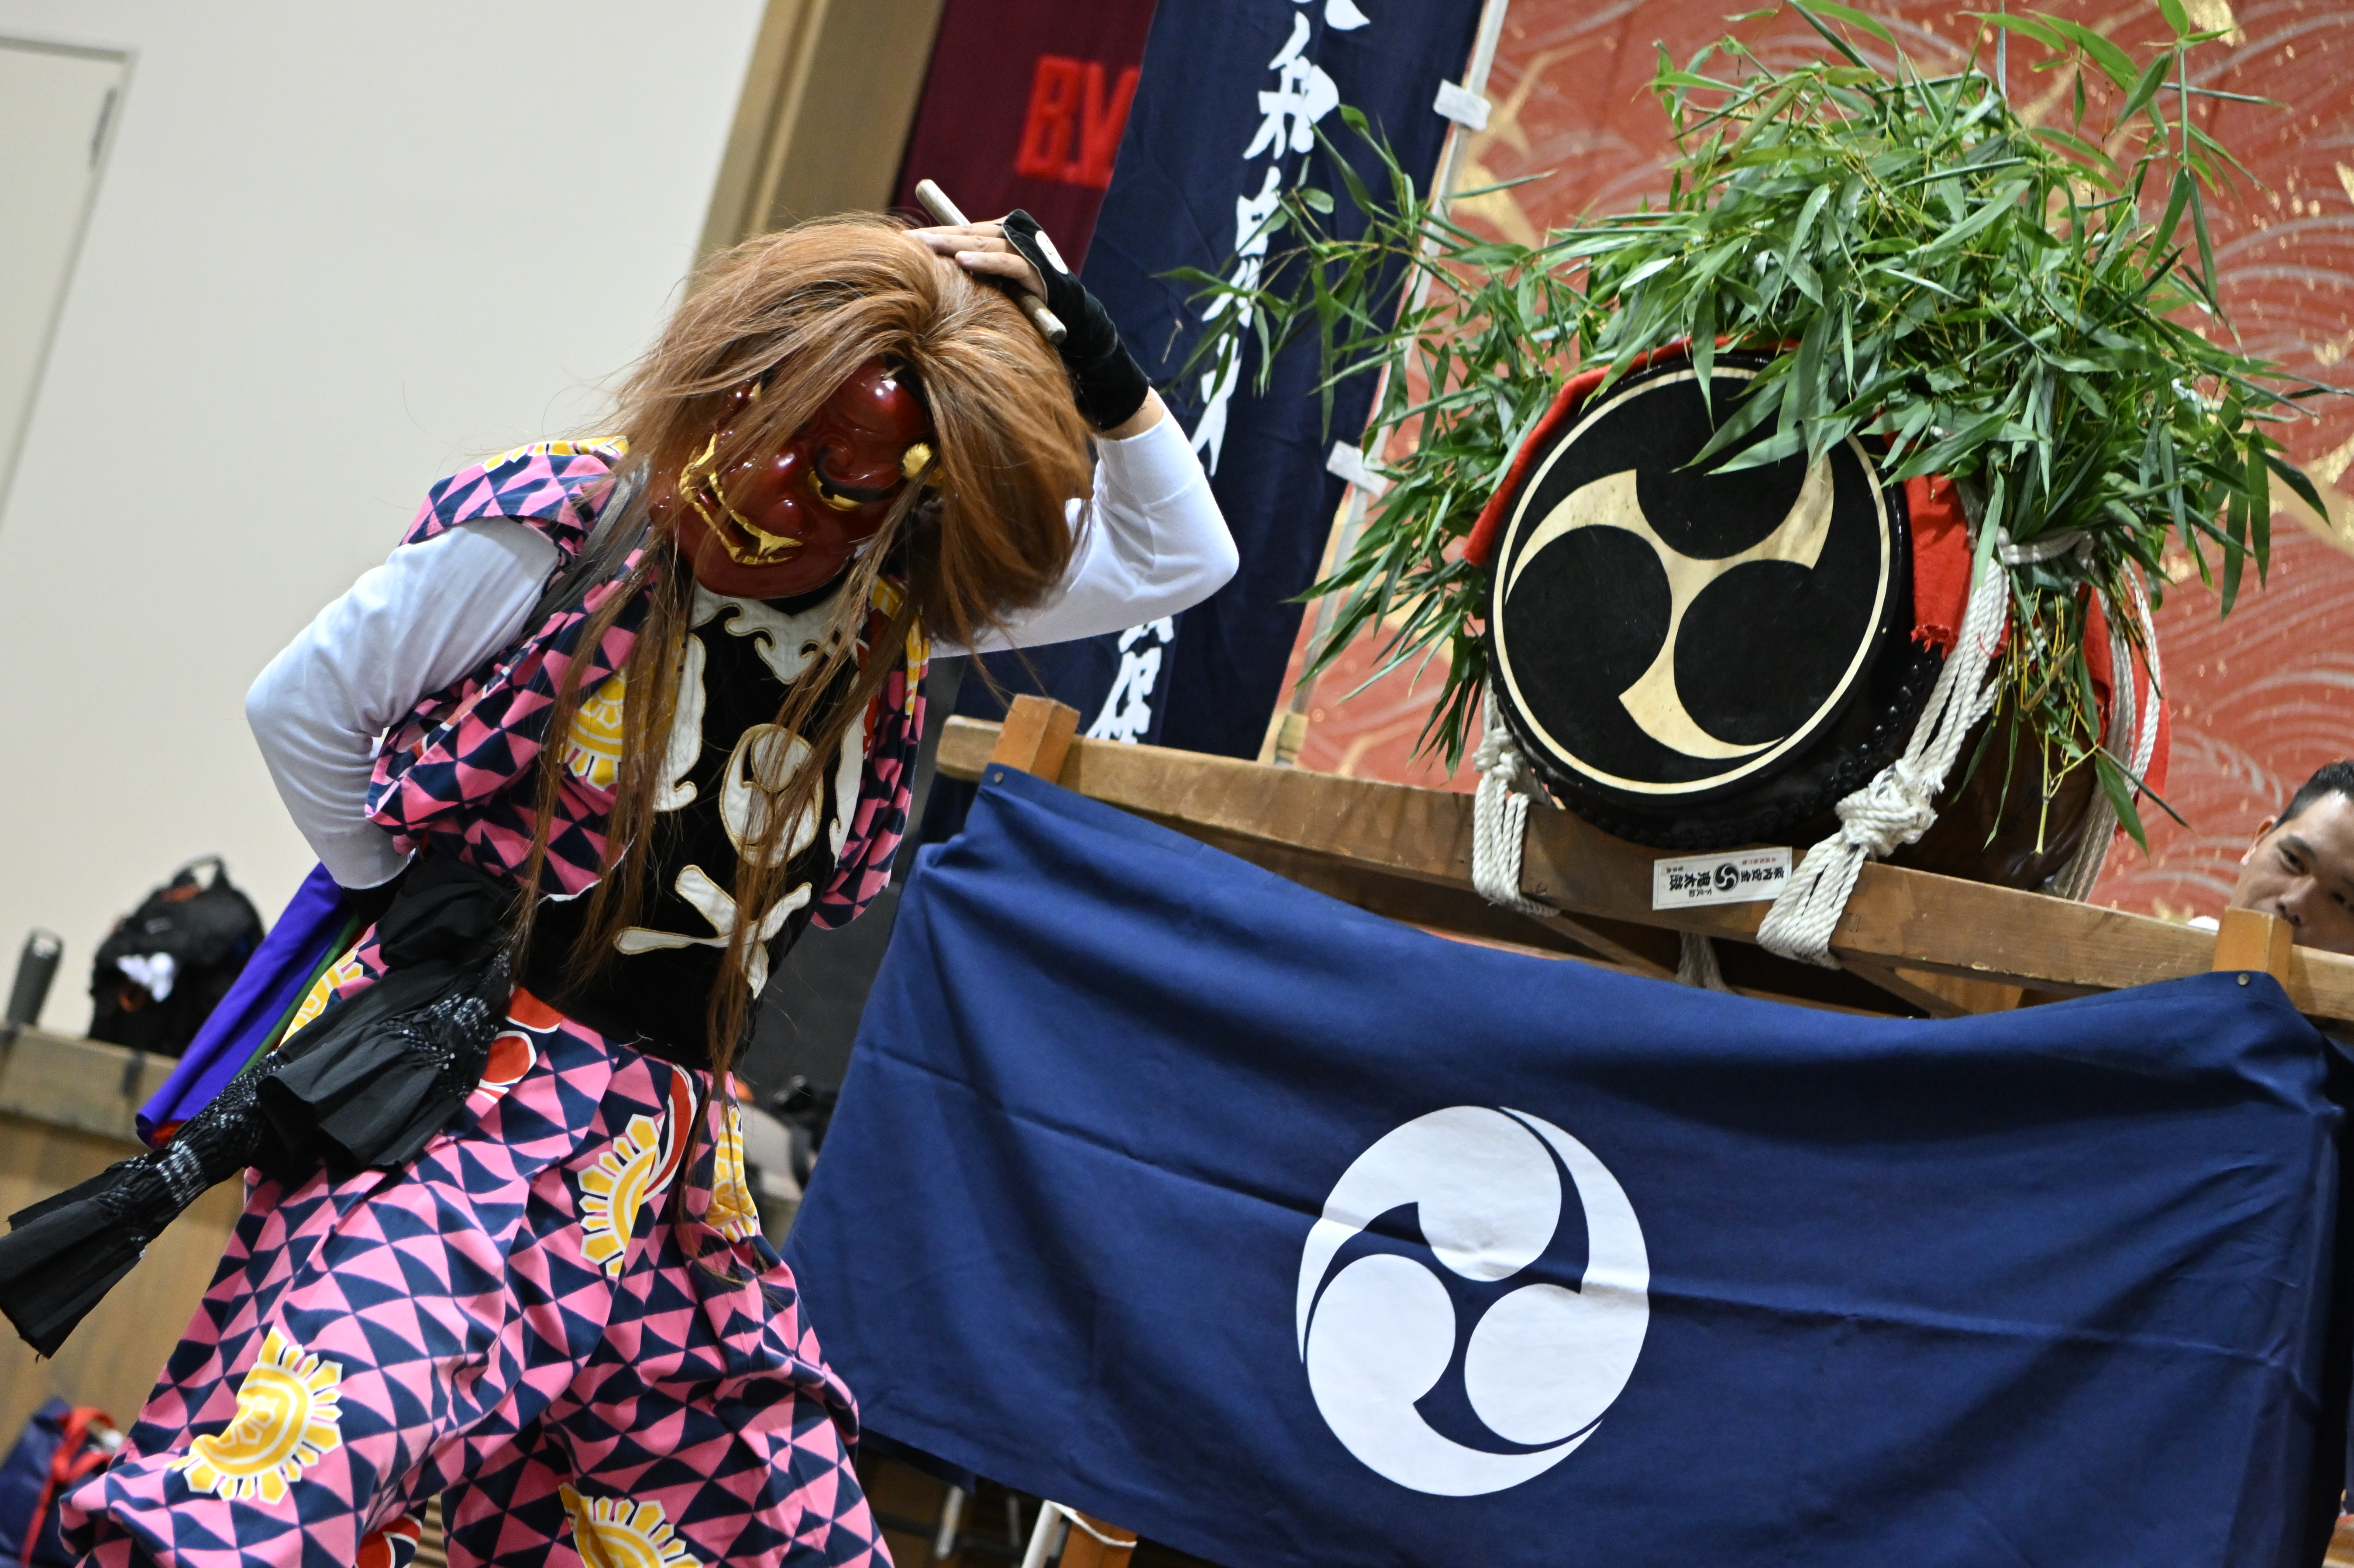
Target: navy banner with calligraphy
1225, 118
1286, 1235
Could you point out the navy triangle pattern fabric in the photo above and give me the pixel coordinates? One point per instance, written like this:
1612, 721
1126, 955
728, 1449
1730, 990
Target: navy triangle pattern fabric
1286, 1235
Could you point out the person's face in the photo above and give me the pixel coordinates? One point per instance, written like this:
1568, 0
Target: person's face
789, 522
2303, 870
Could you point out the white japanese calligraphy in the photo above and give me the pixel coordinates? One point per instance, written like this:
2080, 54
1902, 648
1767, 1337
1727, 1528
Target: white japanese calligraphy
1304, 94
1127, 714
1218, 383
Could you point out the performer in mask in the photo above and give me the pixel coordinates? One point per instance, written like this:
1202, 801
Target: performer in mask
499, 1249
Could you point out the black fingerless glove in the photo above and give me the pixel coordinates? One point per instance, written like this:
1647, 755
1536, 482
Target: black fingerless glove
1106, 381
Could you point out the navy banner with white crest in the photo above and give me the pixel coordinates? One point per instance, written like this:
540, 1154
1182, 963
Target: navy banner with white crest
1225, 118
1286, 1235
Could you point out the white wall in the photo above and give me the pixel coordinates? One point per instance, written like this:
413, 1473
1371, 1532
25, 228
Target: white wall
338, 250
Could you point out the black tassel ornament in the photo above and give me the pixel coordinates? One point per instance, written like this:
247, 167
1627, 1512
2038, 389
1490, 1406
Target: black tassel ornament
365, 1086
63, 1255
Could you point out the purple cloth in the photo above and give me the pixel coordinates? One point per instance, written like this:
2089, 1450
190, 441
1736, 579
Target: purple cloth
271, 983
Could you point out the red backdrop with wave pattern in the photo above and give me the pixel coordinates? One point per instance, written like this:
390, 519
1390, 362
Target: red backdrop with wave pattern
2260, 700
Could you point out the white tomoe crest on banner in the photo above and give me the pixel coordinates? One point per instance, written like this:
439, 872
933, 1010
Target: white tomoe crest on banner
1544, 1362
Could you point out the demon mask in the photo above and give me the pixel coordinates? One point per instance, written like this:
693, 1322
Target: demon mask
788, 521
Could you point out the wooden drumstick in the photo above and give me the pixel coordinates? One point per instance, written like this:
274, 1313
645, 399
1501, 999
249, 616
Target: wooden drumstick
935, 202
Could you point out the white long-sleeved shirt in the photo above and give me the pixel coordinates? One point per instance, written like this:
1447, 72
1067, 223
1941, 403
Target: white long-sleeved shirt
1156, 544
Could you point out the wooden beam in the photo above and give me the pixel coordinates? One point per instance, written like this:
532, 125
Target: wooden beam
1036, 737
1424, 834
1941, 924
1458, 910
1635, 947
1938, 995
85, 1085
1087, 1547
1898, 919
2250, 939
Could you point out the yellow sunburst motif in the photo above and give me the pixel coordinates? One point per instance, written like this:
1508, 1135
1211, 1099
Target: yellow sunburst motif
610, 448
339, 974
732, 1213
886, 599
288, 1416
614, 1532
614, 1190
592, 743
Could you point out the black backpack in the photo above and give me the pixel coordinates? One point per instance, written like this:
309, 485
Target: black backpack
169, 962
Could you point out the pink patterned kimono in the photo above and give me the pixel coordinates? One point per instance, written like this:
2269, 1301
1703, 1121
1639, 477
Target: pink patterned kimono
553, 1318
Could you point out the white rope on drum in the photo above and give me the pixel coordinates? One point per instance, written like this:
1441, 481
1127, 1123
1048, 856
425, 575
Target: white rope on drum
2135, 699
1696, 963
1499, 816
1899, 805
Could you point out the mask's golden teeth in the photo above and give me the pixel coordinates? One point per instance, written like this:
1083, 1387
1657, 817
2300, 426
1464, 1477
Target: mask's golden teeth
767, 549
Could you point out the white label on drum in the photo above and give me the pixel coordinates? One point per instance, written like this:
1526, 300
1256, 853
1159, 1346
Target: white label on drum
1729, 877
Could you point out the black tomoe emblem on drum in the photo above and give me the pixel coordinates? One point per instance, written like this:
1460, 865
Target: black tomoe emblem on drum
1693, 658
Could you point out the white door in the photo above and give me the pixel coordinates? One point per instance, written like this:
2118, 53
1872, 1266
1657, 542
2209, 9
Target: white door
58, 104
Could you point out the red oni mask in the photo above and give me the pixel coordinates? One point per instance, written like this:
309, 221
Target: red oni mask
789, 522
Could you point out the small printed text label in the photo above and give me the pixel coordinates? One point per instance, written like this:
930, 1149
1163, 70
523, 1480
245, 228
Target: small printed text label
1728, 876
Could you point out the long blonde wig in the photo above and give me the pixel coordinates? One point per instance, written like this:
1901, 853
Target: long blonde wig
984, 534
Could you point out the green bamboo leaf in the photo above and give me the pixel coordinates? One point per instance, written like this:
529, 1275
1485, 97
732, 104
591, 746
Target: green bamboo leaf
2034, 27
1703, 343
1801, 272
2259, 492
1848, 15
1999, 205
2177, 199
2115, 63
1808, 394
2120, 797
1760, 403
2153, 77
1812, 210
2206, 274
2235, 550
1765, 115
1841, 45
2295, 478
1774, 448
1939, 457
